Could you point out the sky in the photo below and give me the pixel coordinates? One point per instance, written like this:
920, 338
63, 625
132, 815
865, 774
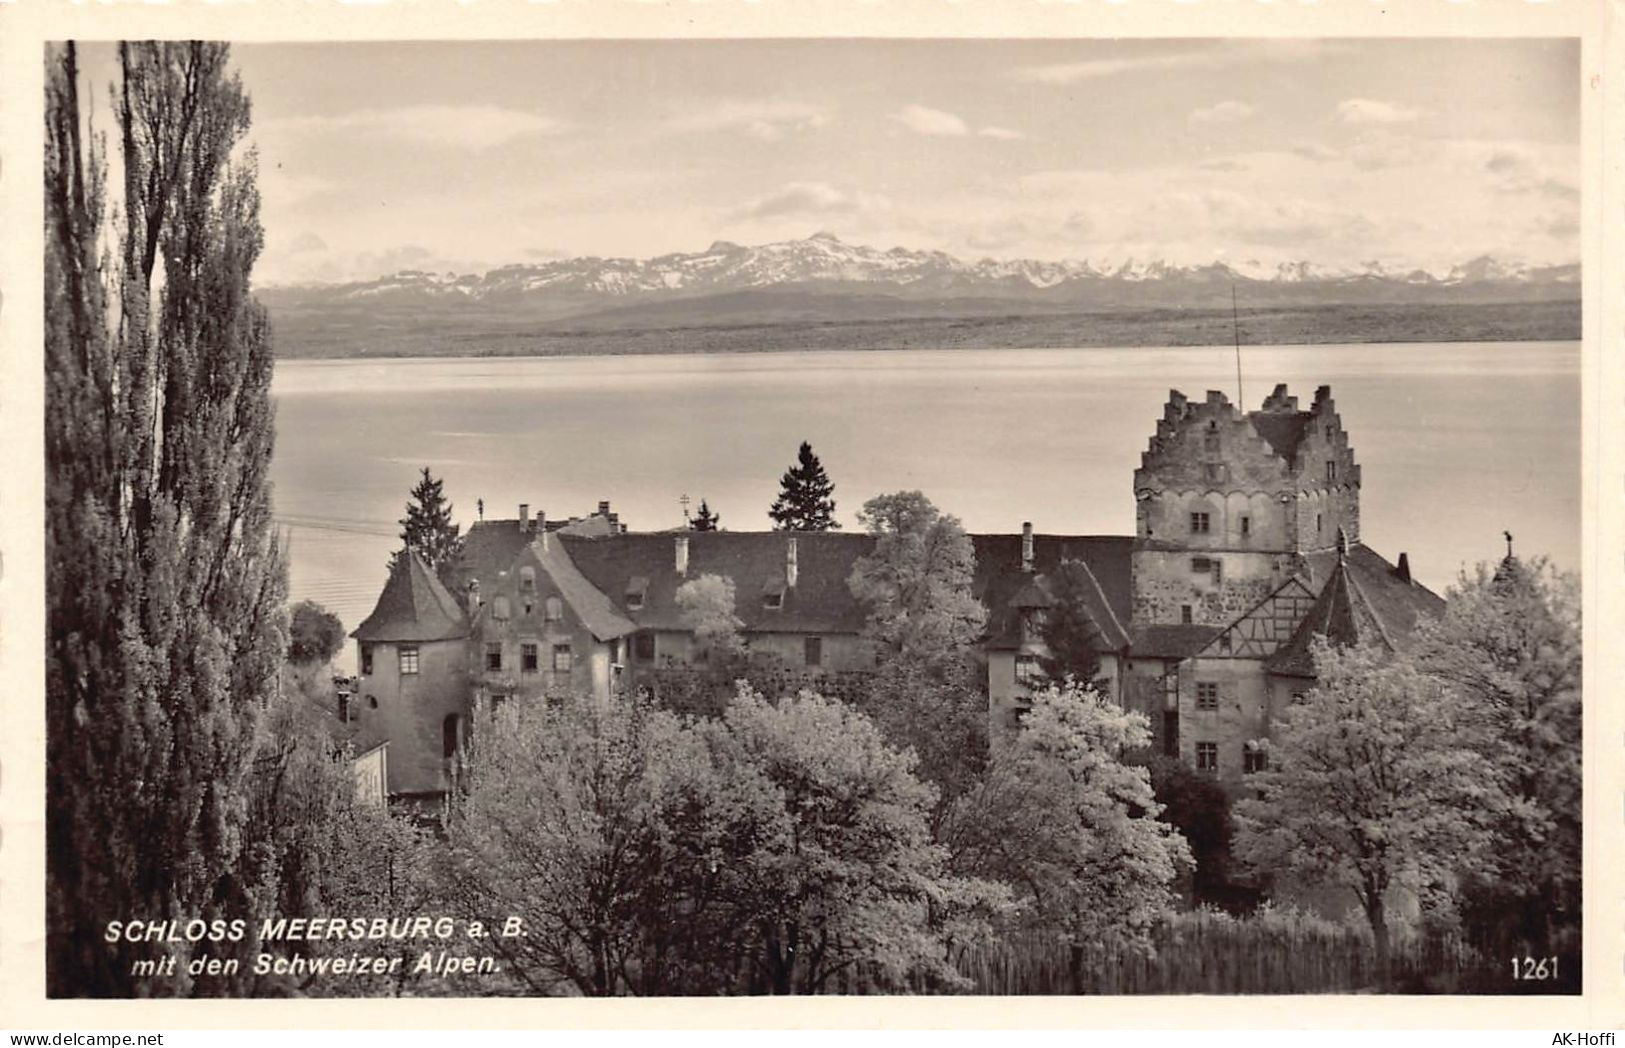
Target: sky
466, 156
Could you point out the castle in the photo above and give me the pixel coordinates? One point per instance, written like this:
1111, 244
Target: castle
1246, 547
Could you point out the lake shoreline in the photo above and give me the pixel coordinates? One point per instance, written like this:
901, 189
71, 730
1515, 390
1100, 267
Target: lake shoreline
305, 338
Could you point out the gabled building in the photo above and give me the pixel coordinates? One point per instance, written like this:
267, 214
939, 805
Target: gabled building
1246, 547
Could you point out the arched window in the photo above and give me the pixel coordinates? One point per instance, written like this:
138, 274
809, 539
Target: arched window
451, 735
527, 579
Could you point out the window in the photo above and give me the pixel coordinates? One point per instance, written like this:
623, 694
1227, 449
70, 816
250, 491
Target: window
773, 600
561, 658
1207, 695
500, 609
555, 609
409, 658
372, 702
1224, 642
636, 587
634, 601
1207, 756
643, 647
1029, 670
1331, 471
1200, 523
1317, 522
1246, 526
1218, 571
1185, 614
1201, 565
530, 607
527, 580
493, 656
1254, 758
529, 660
366, 660
813, 650
1331, 433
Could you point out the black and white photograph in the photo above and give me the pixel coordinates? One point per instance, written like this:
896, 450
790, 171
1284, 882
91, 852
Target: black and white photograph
817, 516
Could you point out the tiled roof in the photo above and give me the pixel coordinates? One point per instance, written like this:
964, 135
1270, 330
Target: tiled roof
755, 561
1283, 430
595, 609
1176, 641
414, 606
1363, 599
1005, 589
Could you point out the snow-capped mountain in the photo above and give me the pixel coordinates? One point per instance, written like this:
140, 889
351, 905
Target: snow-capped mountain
823, 278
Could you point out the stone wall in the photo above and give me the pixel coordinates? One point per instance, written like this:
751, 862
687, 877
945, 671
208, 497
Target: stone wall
412, 709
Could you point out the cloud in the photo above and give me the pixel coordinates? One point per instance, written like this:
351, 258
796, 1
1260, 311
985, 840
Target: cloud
1218, 57
1004, 134
810, 198
764, 120
1314, 151
1370, 111
476, 128
1222, 164
1228, 112
306, 241
926, 121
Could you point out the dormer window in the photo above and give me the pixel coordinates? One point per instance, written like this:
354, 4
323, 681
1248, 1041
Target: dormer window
527, 580
636, 588
773, 599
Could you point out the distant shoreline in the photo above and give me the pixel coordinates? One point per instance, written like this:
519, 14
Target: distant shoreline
310, 337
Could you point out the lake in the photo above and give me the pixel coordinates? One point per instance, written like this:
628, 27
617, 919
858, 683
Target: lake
1457, 441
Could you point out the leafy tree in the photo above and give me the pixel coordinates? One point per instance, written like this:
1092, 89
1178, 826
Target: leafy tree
1199, 808
1374, 787
427, 530
1509, 645
1074, 828
706, 604
705, 520
165, 622
806, 496
315, 634
847, 876
1069, 633
570, 821
917, 580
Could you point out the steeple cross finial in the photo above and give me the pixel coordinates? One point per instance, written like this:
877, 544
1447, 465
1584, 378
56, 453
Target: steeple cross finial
1508, 534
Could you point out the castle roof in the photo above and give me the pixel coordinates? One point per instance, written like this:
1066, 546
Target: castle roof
1282, 430
1363, 600
636, 575
596, 611
1171, 641
414, 606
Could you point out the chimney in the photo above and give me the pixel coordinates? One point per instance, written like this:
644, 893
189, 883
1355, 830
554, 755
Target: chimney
540, 523
1027, 545
603, 507
681, 563
790, 568
524, 516
1403, 570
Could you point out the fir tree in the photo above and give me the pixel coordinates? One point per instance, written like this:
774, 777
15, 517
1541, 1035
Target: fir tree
165, 622
705, 520
428, 531
1069, 633
805, 501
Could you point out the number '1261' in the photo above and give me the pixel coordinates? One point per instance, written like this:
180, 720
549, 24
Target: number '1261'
1532, 968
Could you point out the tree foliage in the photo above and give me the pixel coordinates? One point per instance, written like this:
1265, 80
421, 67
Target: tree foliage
806, 499
1374, 786
706, 604
1509, 647
1062, 818
771, 850
917, 580
705, 520
428, 531
315, 635
165, 593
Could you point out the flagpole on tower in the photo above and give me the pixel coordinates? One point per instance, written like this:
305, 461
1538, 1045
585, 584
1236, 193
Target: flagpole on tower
1235, 326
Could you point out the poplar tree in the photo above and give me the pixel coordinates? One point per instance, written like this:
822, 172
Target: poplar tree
428, 531
165, 583
806, 496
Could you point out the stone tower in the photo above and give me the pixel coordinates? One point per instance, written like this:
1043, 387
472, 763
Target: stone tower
1230, 503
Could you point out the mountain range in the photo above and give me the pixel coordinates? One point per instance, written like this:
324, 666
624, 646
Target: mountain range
822, 279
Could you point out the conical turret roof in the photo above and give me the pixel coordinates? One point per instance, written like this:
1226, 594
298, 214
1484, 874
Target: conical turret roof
414, 606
